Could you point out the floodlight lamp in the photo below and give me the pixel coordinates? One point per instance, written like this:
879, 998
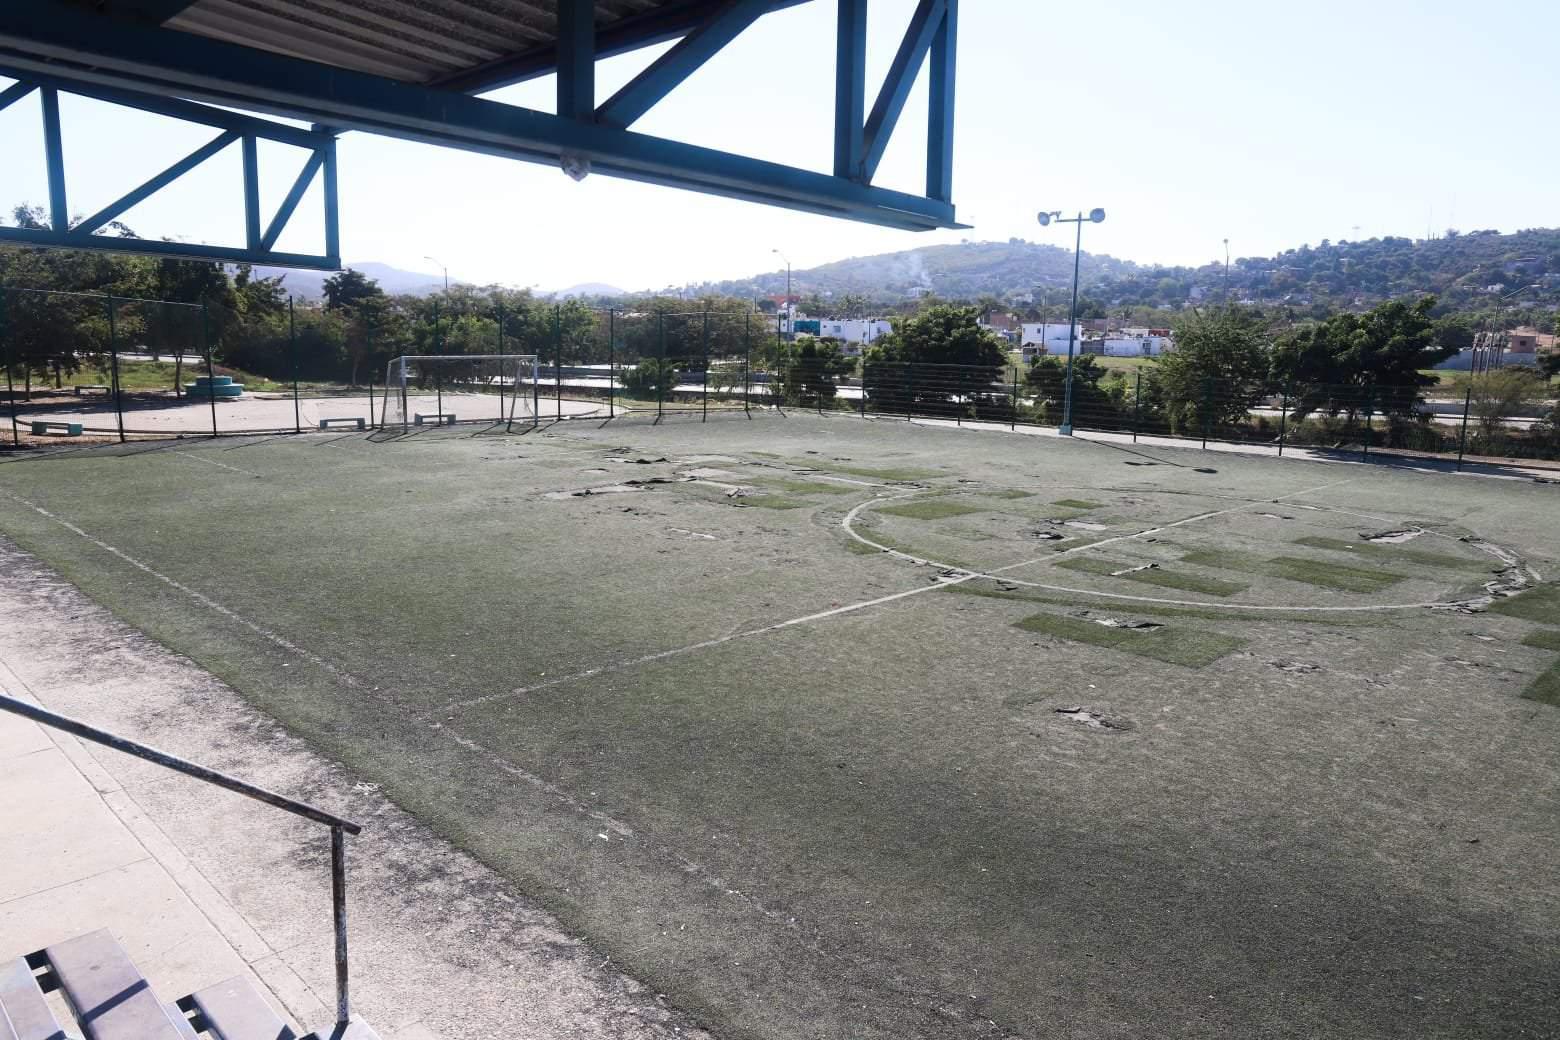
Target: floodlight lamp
1045, 218
1097, 215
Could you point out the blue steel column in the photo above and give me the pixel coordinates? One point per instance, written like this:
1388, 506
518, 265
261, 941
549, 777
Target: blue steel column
850, 89
54, 155
251, 192
577, 59
939, 127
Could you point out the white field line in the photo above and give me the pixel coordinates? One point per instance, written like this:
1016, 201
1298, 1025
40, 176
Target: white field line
193, 457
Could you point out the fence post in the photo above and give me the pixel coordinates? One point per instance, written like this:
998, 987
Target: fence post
1370, 402
292, 350
1137, 403
113, 360
10, 385
660, 372
501, 361
1013, 415
863, 398
704, 412
211, 371
747, 363
910, 390
611, 363
1283, 419
369, 353
1207, 409
1462, 438
558, 360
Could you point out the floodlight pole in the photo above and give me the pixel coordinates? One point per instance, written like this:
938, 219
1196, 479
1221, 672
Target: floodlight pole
1094, 216
790, 319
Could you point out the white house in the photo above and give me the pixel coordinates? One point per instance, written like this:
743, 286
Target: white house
1041, 338
1132, 346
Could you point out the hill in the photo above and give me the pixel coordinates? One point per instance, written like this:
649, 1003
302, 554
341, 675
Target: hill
1467, 270
307, 285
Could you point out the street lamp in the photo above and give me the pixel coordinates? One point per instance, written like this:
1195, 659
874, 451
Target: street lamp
446, 274
789, 318
1499, 352
1096, 216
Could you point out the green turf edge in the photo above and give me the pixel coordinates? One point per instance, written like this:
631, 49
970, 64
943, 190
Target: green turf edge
1162, 578
1540, 603
1158, 610
1187, 647
1077, 503
1389, 553
1299, 569
1543, 639
866, 471
932, 509
1546, 688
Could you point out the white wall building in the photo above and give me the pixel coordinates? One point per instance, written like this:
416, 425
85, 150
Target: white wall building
1132, 346
1041, 338
855, 333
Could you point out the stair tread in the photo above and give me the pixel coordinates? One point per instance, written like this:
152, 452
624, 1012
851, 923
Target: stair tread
24, 1014
111, 998
234, 1010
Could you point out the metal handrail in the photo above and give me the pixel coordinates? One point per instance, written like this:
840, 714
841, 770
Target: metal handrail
339, 826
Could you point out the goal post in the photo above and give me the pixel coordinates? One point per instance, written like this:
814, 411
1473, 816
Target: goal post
443, 389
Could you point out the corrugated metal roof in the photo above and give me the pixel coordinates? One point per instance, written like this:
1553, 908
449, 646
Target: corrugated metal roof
464, 44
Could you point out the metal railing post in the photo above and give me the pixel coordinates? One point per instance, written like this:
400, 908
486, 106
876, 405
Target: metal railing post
211, 371
704, 413
611, 363
338, 903
747, 363
1013, 415
558, 360
660, 372
500, 362
1370, 400
909, 391
113, 360
1207, 410
1462, 437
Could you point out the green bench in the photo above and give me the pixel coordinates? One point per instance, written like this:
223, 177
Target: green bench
41, 427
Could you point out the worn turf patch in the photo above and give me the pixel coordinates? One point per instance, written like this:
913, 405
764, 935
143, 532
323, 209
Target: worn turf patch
1540, 603
1390, 553
1076, 503
986, 591
902, 474
808, 487
1297, 568
1151, 576
1183, 646
772, 502
1546, 688
932, 509
1008, 493
1543, 639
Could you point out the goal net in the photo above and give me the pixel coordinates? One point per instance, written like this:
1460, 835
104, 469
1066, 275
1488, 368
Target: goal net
443, 389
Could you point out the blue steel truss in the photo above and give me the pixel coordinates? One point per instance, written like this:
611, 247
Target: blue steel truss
233, 128
52, 45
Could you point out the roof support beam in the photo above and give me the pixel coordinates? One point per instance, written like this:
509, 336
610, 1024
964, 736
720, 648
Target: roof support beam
64, 40
576, 59
850, 90
663, 75
939, 128
890, 102
284, 212
116, 208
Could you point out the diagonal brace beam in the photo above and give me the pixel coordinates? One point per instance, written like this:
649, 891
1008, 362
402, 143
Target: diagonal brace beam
850, 90
663, 75
927, 20
87, 227
14, 93
284, 212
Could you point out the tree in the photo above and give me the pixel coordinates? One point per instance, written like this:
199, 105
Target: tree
1046, 380
651, 377
346, 290
944, 353
808, 370
1218, 370
1368, 362
1502, 393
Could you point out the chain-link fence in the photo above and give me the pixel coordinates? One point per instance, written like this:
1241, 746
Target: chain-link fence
106, 365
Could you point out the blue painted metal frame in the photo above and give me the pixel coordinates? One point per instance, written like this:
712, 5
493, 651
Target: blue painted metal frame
245, 130
850, 91
642, 92
917, 43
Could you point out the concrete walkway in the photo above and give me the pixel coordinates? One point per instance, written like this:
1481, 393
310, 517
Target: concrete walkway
200, 884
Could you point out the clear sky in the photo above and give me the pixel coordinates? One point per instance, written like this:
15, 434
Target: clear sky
1270, 124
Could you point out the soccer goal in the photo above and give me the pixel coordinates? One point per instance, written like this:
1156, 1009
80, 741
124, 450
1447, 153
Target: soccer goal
443, 389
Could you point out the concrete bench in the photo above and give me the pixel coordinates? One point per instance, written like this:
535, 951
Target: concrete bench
326, 424
80, 390
435, 419
70, 429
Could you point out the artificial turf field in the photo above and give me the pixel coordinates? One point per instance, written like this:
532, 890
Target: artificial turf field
832, 728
